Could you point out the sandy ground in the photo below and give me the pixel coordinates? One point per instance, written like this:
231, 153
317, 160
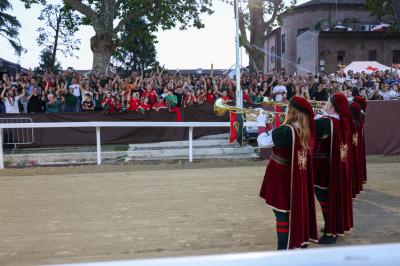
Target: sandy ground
82, 214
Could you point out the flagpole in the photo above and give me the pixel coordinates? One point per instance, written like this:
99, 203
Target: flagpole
239, 99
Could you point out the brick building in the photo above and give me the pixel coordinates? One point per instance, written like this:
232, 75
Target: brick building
320, 34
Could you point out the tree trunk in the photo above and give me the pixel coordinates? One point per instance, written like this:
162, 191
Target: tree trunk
257, 31
55, 45
102, 47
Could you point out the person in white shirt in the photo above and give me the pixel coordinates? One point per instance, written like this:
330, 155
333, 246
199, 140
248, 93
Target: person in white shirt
385, 93
11, 100
394, 92
279, 92
76, 91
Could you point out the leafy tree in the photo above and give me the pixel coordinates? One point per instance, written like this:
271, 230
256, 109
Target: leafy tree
46, 63
135, 48
9, 27
108, 18
383, 10
258, 17
60, 25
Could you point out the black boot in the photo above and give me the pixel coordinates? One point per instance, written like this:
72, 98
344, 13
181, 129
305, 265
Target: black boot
327, 240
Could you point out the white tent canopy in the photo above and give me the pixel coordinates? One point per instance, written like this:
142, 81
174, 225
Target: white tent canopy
367, 66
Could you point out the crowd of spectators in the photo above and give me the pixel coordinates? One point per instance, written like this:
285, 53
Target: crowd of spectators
72, 92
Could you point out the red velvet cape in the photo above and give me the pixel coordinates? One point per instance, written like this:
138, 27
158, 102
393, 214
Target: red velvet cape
340, 206
299, 187
358, 163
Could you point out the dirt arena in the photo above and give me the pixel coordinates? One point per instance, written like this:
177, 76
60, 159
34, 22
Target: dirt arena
85, 214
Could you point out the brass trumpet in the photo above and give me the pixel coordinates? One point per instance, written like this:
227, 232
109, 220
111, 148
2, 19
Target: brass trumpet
318, 106
220, 108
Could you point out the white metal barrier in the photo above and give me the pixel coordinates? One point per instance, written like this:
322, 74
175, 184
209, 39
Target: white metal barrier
368, 255
99, 125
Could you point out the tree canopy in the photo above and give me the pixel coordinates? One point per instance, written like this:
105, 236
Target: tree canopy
135, 48
57, 34
108, 18
258, 17
383, 10
9, 27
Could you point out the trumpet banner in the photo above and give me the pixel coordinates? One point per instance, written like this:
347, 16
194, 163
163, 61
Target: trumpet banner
279, 118
236, 128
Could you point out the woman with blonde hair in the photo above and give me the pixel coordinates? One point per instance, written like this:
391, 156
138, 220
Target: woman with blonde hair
288, 186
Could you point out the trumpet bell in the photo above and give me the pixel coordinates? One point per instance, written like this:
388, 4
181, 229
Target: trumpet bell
219, 107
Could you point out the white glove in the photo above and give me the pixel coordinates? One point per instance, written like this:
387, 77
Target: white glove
261, 119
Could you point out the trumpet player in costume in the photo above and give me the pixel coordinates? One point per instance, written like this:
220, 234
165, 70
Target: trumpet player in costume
333, 184
288, 186
356, 149
363, 162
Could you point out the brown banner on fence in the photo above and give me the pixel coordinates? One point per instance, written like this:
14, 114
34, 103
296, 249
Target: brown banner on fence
86, 136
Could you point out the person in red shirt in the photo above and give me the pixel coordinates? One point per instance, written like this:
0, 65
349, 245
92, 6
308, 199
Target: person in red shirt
108, 104
200, 97
210, 96
144, 105
189, 98
160, 104
133, 102
246, 96
150, 93
225, 97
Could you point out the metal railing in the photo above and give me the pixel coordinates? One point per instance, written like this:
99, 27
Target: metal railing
99, 125
17, 136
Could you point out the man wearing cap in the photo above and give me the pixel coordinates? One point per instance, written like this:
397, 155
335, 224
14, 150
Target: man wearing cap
288, 182
331, 168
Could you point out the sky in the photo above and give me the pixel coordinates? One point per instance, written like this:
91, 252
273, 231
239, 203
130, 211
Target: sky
176, 49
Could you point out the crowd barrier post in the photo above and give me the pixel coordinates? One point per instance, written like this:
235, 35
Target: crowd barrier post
190, 144
1, 150
98, 145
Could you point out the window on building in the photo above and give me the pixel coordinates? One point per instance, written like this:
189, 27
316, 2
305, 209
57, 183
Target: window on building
372, 55
341, 57
299, 60
396, 56
283, 43
272, 54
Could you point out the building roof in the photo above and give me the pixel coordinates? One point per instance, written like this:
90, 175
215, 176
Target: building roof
332, 2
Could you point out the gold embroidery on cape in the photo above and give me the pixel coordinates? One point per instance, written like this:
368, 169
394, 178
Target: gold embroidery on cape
344, 149
355, 139
302, 159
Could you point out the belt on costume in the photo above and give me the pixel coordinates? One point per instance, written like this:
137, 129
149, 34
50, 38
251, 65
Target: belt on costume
279, 159
321, 155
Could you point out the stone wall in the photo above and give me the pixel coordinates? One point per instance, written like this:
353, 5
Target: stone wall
271, 41
306, 18
357, 46
307, 51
